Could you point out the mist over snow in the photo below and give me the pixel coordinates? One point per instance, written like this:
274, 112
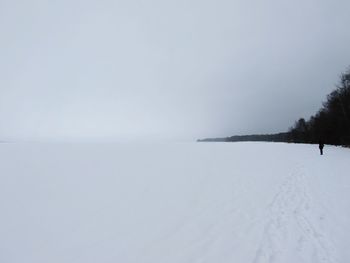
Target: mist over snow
99, 99
174, 70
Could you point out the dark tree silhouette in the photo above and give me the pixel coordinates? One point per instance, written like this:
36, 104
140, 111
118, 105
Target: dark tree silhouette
331, 122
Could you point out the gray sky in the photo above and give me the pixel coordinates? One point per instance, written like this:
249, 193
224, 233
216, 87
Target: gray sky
181, 69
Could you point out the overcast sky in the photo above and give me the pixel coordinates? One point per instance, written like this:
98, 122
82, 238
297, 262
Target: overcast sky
179, 70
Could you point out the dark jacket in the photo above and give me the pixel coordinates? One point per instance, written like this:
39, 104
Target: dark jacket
320, 144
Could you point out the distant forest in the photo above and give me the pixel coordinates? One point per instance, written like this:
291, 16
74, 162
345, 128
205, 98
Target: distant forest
331, 123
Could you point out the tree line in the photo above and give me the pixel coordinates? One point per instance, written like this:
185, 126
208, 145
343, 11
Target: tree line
331, 124
277, 137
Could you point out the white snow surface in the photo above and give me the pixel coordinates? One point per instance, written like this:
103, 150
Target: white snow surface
160, 203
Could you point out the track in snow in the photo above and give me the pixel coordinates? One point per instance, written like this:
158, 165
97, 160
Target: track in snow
288, 226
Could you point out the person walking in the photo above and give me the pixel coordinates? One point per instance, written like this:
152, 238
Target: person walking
320, 146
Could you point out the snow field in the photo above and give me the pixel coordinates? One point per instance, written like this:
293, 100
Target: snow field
195, 202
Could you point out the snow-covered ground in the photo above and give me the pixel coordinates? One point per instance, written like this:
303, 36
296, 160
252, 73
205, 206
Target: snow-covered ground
160, 203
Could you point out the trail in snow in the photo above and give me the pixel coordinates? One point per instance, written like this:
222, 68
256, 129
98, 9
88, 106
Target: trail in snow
174, 203
289, 231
